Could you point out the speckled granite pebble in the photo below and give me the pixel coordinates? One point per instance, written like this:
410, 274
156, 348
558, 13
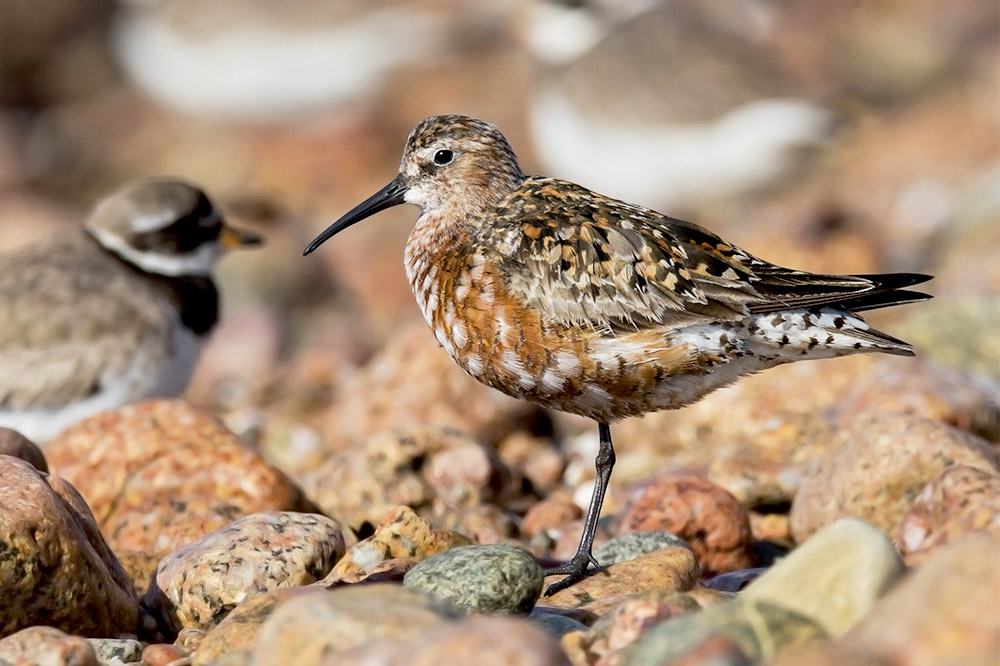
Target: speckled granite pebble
501, 578
835, 577
55, 567
198, 584
46, 646
879, 467
665, 569
483, 641
632, 545
13, 443
758, 629
165, 452
714, 525
117, 650
401, 533
311, 628
957, 502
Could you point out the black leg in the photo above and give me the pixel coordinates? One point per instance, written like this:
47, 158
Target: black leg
576, 569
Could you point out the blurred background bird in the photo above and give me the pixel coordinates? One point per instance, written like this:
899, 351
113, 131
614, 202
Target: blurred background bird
113, 312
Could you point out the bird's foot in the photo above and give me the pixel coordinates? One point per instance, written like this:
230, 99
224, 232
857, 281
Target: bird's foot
576, 570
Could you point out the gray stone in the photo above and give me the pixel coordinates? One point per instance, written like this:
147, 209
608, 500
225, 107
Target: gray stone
631, 546
835, 577
114, 651
500, 578
760, 630
557, 624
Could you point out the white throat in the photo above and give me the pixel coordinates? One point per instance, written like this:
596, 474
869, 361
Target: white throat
198, 263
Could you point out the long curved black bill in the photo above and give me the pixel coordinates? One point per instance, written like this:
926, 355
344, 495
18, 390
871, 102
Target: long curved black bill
389, 196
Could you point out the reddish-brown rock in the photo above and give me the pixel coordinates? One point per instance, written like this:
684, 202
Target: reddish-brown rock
13, 443
163, 468
712, 522
56, 568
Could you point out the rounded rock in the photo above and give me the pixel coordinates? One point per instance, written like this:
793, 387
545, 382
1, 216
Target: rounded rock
311, 628
878, 469
500, 578
13, 443
46, 645
165, 452
835, 578
56, 567
946, 612
198, 584
710, 520
484, 641
959, 501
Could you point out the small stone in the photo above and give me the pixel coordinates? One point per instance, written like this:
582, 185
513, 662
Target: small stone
167, 453
13, 443
386, 571
484, 641
56, 567
758, 629
198, 584
44, 646
879, 467
164, 654
554, 622
946, 612
238, 631
960, 500
482, 523
714, 525
734, 581
117, 650
400, 534
502, 578
835, 577
770, 527
625, 622
665, 569
632, 545
311, 628
536, 458
550, 515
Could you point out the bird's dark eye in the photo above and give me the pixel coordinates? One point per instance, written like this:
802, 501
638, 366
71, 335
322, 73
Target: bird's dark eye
443, 157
